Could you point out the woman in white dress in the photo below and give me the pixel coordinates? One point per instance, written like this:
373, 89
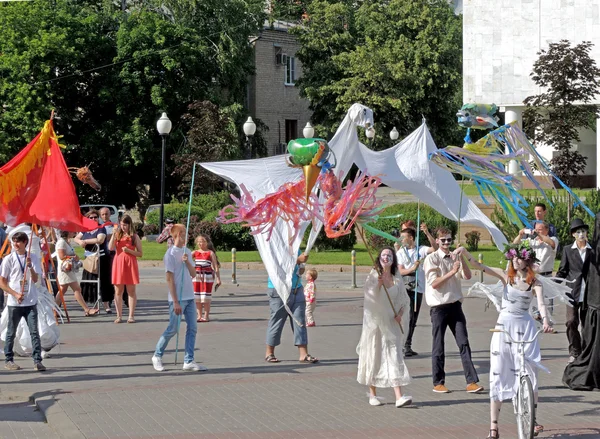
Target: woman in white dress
67, 271
380, 358
512, 296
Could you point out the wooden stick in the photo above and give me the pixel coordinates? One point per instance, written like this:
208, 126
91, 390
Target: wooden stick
384, 287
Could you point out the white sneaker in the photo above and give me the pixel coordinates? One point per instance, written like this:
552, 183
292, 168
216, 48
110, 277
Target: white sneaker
404, 401
45, 354
194, 367
375, 400
157, 363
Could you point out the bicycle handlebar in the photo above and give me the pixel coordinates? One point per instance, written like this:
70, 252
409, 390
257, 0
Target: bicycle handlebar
515, 341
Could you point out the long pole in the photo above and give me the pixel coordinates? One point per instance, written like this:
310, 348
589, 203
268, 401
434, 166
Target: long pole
161, 215
187, 231
362, 236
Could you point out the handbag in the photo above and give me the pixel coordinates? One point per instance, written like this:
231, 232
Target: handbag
90, 264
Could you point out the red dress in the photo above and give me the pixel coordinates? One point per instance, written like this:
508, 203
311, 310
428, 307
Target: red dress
125, 266
205, 275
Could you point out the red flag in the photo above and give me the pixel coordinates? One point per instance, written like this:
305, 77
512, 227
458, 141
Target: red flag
37, 187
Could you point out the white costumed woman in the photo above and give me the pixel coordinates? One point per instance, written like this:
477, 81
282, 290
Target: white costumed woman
512, 297
380, 358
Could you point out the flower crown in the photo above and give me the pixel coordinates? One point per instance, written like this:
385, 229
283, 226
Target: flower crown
522, 251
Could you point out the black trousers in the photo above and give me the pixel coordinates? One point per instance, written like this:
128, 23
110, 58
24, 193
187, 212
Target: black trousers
414, 315
575, 315
450, 316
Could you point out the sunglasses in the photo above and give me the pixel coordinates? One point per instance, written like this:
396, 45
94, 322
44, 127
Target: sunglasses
445, 240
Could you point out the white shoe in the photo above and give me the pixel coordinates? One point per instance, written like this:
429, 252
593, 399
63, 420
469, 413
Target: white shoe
375, 400
157, 363
194, 367
45, 354
404, 401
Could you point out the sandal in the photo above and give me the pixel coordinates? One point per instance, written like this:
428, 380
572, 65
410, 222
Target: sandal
309, 359
537, 429
131, 320
91, 312
272, 359
118, 320
497, 435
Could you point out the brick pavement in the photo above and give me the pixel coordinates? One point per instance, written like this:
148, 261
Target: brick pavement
101, 383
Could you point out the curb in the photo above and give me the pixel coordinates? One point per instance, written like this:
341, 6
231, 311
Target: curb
57, 418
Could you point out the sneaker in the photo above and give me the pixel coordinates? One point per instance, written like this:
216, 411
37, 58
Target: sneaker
440, 388
157, 363
375, 400
310, 325
39, 367
10, 365
408, 352
194, 367
404, 401
45, 354
474, 388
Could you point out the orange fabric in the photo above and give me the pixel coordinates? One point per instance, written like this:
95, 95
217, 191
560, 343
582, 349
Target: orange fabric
37, 187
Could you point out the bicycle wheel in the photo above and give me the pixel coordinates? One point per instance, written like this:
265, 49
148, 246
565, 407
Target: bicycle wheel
525, 409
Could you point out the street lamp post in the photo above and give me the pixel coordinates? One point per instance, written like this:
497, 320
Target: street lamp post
163, 126
308, 131
249, 130
370, 133
394, 134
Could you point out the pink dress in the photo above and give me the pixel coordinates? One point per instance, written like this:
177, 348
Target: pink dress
125, 266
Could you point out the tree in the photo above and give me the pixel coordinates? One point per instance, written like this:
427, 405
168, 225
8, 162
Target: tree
402, 58
109, 73
571, 81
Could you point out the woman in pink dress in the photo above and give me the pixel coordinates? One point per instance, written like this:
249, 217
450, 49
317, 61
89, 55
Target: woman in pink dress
125, 270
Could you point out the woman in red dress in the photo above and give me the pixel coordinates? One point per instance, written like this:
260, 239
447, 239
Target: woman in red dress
125, 270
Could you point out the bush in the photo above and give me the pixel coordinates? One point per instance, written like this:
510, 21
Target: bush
472, 240
175, 211
323, 243
139, 229
150, 229
408, 211
557, 215
211, 202
223, 236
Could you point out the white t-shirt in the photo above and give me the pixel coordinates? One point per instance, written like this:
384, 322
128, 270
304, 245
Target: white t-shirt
408, 256
174, 264
544, 253
12, 269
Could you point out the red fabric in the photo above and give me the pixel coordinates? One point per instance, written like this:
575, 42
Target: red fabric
48, 198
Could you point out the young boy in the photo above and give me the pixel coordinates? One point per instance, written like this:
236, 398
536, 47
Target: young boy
310, 291
179, 266
18, 274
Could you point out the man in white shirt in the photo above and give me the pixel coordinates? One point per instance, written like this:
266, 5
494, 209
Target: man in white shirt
179, 268
18, 274
409, 265
443, 293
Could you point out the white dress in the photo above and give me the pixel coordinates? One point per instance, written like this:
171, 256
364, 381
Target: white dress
504, 358
65, 277
380, 358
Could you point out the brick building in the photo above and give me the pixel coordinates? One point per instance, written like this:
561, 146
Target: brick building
272, 95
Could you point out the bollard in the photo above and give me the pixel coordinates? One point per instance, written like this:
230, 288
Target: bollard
353, 269
480, 260
233, 267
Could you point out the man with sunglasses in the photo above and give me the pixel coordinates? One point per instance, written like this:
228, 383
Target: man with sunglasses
443, 293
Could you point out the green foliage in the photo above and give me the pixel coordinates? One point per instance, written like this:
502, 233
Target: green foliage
323, 243
109, 73
569, 77
176, 211
472, 240
408, 211
557, 215
402, 58
212, 203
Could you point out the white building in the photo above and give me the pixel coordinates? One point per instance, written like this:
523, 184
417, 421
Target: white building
501, 39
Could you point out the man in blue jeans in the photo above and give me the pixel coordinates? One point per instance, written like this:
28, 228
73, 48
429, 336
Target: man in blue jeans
179, 266
297, 305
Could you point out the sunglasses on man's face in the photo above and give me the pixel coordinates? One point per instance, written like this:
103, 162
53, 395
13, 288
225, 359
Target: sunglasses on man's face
445, 240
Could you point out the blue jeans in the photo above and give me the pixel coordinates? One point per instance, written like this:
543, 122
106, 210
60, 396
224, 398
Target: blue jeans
15, 314
188, 308
279, 315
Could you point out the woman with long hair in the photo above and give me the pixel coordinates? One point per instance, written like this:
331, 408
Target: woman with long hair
380, 357
95, 242
125, 272
518, 286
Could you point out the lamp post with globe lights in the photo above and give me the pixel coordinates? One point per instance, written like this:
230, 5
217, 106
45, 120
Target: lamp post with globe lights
163, 126
249, 130
308, 131
394, 134
370, 133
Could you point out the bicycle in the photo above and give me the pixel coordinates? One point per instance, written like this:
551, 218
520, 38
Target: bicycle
523, 402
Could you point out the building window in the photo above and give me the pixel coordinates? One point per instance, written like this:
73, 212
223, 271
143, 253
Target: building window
290, 70
291, 130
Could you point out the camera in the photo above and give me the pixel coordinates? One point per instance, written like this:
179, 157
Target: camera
395, 233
